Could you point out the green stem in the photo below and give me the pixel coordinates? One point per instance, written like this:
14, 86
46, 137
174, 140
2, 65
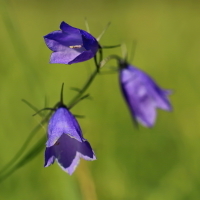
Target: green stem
89, 81
84, 88
28, 157
9, 166
24, 146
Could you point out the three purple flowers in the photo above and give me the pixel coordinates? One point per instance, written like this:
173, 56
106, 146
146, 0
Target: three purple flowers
65, 139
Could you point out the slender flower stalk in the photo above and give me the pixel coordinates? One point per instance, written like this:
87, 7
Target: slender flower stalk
24, 146
32, 153
84, 88
90, 79
11, 166
65, 142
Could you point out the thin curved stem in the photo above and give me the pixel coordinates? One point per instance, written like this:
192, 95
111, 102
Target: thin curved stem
24, 146
88, 82
28, 157
84, 88
10, 167
110, 47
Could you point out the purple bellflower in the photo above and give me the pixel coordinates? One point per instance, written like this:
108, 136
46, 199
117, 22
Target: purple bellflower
71, 45
142, 94
65, 141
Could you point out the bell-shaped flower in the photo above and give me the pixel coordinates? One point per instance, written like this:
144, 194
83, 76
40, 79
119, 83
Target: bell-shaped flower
71, 45
142, 95
65, 141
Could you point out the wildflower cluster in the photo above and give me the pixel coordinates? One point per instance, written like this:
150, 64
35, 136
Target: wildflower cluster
65, 142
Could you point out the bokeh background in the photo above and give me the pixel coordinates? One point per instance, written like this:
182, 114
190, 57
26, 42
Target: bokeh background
161, 163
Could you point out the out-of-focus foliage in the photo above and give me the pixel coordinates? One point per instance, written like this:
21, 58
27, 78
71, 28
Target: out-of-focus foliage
142, 164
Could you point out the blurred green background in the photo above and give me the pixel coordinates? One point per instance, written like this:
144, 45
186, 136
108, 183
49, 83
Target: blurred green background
161, 163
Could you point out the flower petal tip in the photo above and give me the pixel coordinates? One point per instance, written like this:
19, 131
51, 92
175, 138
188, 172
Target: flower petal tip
65, 142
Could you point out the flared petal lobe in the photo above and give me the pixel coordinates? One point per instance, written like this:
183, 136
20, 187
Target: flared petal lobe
68, 151
65, 141
143, 95
71, 45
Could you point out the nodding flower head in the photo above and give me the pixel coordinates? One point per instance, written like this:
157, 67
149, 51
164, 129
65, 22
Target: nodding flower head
65, 141
71, 45
142, 94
